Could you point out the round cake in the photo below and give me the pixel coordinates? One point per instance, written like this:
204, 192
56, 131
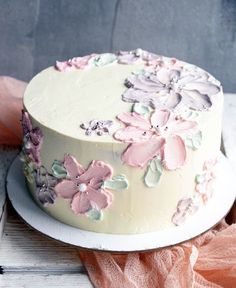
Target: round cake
122, 143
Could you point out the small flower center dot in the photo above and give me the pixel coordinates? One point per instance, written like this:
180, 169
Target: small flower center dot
82, 187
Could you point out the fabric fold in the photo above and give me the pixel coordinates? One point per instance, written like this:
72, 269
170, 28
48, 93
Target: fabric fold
208, 260
11, 92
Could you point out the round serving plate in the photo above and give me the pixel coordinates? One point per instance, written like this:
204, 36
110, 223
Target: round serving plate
208, 216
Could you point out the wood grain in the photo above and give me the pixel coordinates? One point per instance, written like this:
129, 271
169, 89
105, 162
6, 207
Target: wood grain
24, 280
6, 157
24, 250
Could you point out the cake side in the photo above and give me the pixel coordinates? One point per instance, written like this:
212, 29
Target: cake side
145, 174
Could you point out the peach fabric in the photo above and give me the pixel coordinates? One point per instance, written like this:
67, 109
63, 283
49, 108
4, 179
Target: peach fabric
209, 260
206, 261
11, 91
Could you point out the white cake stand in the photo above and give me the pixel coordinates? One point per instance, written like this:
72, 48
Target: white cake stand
204, 219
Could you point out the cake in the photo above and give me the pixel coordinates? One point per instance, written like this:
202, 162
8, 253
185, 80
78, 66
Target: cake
121, 143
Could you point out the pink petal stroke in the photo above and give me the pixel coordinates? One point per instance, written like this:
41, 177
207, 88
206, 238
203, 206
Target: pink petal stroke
134, 119
63, 66
66, 189
174, 152
72, 166
98, 171
132, 134
182, 126
99, 199
80, 203
138, 154
160, 118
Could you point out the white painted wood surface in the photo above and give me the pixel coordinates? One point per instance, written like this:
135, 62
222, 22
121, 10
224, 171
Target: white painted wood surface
37, 253
6, 157
30, 260
24, 280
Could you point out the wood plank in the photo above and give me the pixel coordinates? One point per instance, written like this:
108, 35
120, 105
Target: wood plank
44, 280
3, 218
229, 127
6, 156
25, 250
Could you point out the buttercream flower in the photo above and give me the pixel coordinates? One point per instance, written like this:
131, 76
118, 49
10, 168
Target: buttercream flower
103, 59
171, 63
161, 134
185, 207
168, 87
130, 57
74, 63
84, 187
45, 184
99, 127
32, 141
205, 181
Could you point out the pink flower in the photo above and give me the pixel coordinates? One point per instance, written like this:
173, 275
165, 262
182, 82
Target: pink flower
161, 134
84, 187
205, 181
74, 63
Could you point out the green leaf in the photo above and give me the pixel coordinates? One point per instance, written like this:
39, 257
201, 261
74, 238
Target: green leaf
139, 72
118, 183
199, 178
189, 114
95, 214
58, 170
29, 171
153, 173
194, 141
141, 109
104, 59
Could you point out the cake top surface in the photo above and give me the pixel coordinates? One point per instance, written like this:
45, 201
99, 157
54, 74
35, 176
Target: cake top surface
84, 96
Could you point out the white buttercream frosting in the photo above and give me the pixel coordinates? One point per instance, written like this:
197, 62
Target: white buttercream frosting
59, 102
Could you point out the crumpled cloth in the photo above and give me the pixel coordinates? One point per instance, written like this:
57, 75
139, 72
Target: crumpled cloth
11, 91
208, 260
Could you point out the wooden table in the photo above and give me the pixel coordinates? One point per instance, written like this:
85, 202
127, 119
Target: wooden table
28, 259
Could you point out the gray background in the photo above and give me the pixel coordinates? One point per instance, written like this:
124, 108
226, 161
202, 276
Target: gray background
35, 33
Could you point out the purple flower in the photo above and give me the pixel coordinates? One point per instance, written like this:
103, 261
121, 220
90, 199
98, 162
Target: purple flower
45, 184
129, 57
167, 87
32, 141
99, 127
